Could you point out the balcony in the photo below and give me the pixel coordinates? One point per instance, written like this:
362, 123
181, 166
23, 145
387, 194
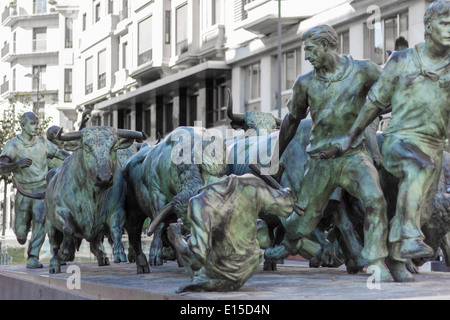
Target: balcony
262, 15
213, 42
11, 16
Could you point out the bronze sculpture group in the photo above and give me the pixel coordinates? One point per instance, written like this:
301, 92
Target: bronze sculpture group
213, 216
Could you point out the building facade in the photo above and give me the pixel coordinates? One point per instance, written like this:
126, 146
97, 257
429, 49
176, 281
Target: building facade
156, 65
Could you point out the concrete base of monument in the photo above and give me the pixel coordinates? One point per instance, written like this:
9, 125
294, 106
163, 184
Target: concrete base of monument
292, 281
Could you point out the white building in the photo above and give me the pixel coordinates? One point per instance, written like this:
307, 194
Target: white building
34, 43
154, 65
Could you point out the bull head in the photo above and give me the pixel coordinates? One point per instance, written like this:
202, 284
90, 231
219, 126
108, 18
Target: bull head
98, 146
240, 120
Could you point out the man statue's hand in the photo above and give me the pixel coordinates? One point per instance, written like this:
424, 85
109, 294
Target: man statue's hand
337, 147
24, 163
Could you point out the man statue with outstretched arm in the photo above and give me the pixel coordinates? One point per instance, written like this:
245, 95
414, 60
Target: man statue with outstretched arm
26, 157
335, 92
416, 83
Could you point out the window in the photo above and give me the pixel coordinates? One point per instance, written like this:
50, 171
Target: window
124, 55
167, 26
110, 6
381, 37
97, 12
213, 9
290, 68
101, 70
68, 85
239, 11
344, 42
39, 6
39, 39
252, 84
147, 122
14, 77
89, 75
181, 30
69, 33
220, 107
145, 44
39, 75
123, 14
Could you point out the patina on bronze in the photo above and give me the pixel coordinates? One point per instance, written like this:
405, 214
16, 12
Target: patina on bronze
415, 83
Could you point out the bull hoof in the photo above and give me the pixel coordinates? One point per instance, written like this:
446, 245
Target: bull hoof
270, 265
55, 266
354, 270
354, 267
131, 255
399, 271
33, 263
142, 265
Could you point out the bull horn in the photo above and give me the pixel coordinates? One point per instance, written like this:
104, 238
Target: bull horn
68, 136
235, 117
161, 217
130, 134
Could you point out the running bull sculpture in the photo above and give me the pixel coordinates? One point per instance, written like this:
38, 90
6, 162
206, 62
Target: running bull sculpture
159, 186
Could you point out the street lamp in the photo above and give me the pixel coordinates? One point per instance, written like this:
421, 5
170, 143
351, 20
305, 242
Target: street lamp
37, 77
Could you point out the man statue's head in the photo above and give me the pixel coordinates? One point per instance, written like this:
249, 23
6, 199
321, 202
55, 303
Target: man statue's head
319, 42
29, 122
213, 156
437, 23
